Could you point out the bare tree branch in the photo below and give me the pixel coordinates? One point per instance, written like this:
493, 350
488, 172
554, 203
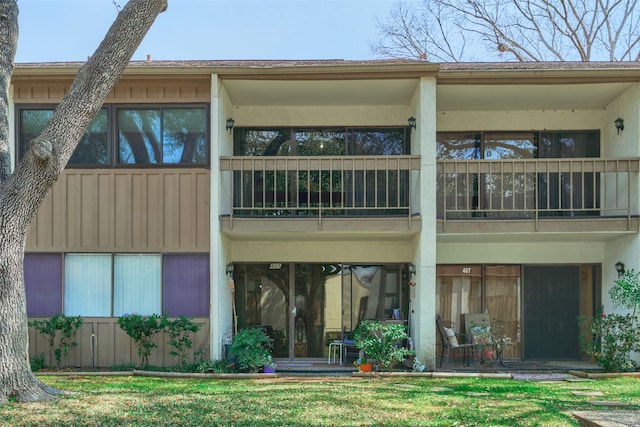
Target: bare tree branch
522, 30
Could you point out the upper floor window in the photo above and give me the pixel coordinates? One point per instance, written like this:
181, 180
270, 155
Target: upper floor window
321, 142
93, 148
162, 136
158, 135
495, 145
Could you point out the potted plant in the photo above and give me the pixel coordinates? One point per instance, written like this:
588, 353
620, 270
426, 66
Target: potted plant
270, 366
363, 364
251, 348
382, 342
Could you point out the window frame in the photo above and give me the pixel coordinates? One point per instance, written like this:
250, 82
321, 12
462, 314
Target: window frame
292, 143
481, 137
21, 147
115, 139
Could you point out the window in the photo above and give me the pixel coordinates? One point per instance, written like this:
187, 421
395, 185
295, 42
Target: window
87, 285
496, 290
162, 136
321, 142
104, 285
43, 284
159, 135
186, 284
136, 284
92, 149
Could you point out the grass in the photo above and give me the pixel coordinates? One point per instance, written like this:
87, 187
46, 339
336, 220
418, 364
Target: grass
303, 401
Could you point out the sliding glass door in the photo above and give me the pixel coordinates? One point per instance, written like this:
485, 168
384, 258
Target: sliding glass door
302, 307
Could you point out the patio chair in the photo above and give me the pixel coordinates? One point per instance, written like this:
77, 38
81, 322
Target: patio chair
478, 331
450, 342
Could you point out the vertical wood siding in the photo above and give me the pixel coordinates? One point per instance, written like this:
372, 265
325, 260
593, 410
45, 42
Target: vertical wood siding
129, 89
108, 210
112, 346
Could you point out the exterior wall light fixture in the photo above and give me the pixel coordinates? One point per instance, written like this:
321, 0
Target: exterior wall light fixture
411, 269
620, 268
619, 124
412, 122
230, 269
230, 123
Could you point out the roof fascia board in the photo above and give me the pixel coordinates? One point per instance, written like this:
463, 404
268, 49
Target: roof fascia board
253, 72
532, 77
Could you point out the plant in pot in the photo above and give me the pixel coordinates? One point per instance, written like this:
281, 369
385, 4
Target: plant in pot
363, 364
251, 350
270, 366
381, 342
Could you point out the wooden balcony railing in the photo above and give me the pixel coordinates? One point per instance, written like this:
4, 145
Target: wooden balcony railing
537, 188
321, 186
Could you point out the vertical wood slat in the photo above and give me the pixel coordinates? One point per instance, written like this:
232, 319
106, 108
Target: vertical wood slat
112, 346
125, 210
132, 90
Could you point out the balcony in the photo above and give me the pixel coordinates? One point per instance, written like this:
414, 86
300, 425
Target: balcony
330, 193
537, 195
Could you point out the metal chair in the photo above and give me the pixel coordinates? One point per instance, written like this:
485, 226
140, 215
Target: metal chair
450, 343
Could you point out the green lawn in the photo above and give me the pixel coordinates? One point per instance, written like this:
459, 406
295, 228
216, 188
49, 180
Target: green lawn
303, 401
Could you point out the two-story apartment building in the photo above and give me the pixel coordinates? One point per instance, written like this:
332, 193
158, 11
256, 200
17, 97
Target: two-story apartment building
306, 196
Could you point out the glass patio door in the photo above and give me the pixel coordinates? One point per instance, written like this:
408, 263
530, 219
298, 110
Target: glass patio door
295, 304
316, 308
302, 307
262, 300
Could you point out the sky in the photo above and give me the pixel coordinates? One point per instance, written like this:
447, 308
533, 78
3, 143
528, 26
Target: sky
70, 30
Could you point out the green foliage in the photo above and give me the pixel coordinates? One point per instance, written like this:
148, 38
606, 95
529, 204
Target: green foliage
143, 329
59, 328
180, 331
213, 367
38, 363
251, 349
381, 342
626, 292
614, 338
123, 367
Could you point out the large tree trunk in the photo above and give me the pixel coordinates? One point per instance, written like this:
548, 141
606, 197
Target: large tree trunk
22, 193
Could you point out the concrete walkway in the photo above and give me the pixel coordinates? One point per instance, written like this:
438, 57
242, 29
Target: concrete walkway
608, 418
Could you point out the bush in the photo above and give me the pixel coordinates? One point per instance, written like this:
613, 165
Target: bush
381, 342
180, 331
213, 367
142, 329
251, 348
67, 327
38, 363
122, 367
614, 338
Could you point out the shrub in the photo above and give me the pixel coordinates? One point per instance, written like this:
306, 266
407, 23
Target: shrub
38, 363
180, 331
614, 338
213, 367
142, 329
626, 292
251, 348
59, 328
122, 367
381, 342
